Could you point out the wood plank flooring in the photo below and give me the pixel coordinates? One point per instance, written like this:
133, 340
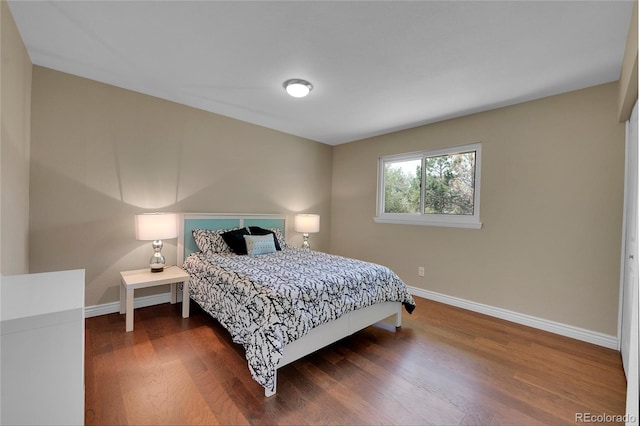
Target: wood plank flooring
445, 366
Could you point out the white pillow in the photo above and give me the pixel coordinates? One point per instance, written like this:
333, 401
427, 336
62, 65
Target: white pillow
259, 244
210, 241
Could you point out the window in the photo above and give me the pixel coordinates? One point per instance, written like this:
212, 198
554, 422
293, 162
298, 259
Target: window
437, 188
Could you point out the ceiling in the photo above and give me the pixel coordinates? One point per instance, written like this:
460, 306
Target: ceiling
376, 67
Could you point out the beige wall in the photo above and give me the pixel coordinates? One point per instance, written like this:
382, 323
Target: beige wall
100, 154
15, 110
551, 204
629, 71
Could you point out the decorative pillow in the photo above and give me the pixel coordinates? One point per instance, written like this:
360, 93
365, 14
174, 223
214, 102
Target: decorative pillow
235, 240
280, 238
260, 244
210, 241
256, 230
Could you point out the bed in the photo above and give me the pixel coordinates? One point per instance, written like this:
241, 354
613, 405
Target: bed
280, 302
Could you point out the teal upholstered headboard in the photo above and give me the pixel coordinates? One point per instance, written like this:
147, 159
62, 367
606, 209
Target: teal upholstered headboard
187, 222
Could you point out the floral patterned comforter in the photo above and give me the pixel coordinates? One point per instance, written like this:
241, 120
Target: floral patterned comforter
270, 300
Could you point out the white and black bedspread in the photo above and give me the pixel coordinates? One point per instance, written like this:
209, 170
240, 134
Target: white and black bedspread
267, 301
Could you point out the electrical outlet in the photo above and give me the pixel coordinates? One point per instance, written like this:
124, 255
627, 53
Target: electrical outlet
421, 271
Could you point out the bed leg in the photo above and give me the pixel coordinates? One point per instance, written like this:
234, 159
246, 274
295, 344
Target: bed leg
399, 317
268, 392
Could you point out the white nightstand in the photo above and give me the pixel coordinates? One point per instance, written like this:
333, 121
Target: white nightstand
141, 278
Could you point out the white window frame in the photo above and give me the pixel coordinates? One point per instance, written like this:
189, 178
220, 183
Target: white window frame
454, 221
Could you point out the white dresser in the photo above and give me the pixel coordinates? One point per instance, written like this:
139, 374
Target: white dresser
42, 348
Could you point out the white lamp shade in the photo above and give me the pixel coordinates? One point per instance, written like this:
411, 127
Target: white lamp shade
307, 223
156, 226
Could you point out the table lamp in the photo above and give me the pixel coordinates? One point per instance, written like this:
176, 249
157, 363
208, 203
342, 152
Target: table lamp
156, 227
307, 224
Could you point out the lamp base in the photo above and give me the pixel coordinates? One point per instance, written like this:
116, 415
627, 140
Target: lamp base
157, 261
305, 241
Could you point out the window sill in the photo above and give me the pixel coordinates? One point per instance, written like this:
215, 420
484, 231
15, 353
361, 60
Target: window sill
423, 222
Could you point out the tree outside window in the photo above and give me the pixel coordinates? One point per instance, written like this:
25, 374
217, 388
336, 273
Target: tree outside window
449, 184
402, 186
432, 187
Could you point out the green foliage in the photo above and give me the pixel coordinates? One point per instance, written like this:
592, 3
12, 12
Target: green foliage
449, 182
402, 190
449, 185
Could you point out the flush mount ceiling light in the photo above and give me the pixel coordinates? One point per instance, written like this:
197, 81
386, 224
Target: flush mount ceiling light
297, 88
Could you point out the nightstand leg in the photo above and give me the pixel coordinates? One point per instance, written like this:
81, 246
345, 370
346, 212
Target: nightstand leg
174, 293
185, 299
123, 295
129, 317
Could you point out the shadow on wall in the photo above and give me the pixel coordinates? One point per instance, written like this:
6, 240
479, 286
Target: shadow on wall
87, 226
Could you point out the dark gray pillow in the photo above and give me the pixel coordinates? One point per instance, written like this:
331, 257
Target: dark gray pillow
235, 240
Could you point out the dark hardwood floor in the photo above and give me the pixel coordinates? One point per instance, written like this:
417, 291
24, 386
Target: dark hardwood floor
445, 366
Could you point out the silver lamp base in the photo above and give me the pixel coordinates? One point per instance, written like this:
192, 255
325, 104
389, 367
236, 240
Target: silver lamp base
157, 261
305, 241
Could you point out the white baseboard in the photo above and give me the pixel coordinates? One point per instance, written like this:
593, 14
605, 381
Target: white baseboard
578, 333
138, 302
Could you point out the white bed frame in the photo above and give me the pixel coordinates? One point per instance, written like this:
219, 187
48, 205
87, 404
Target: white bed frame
320, 336
333, 331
